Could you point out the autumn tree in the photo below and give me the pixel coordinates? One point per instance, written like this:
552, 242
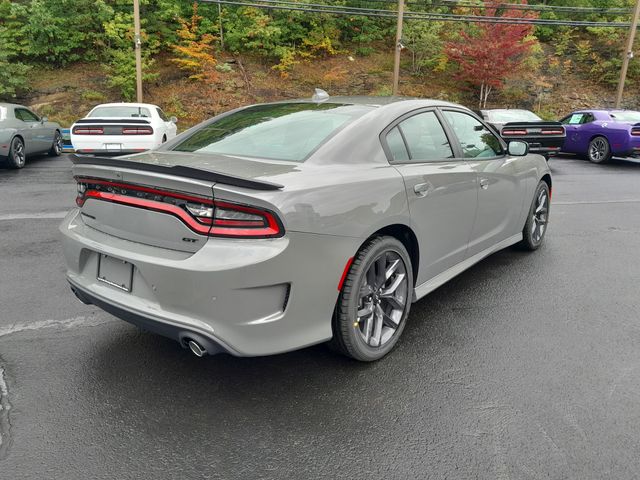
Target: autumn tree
491, 51
195, 49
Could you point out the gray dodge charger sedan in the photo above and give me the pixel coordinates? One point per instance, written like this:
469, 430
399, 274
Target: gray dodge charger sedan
277, 226
23, 133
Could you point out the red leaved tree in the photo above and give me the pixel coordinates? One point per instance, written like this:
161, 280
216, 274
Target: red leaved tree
492, 51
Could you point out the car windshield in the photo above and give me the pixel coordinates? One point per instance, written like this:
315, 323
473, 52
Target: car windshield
124, 111
626, 116
285, 131
507, 116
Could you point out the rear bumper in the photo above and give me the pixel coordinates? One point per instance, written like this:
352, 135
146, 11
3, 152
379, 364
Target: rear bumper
108, 153
248, 297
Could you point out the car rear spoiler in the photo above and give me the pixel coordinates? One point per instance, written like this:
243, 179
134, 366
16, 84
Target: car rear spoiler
106, 121
533, 124
178, 170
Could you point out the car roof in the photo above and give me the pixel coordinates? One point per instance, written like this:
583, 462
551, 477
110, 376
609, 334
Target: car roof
373, 101
12, 105
126, 104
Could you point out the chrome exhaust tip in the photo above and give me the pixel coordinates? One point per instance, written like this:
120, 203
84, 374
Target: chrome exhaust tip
197, 349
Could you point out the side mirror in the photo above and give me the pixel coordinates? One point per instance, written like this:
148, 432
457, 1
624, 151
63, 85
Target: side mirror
518, 149
44, 119
173, 119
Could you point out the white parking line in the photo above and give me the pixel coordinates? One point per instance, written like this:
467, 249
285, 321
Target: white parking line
597, 202
29, 216
39, 325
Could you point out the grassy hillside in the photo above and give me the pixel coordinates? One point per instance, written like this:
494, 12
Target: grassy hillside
65, 94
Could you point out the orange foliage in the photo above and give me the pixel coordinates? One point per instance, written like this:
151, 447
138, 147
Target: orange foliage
195, 51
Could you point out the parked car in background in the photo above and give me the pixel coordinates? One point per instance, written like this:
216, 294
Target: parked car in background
277, 226
544, 138
602, 134
122, 128
23, 133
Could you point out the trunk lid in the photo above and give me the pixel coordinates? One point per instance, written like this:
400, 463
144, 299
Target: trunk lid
142, 198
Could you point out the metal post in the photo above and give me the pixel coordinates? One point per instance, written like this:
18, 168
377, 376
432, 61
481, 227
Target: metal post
220, 26
138, 47
396, 62
628, 53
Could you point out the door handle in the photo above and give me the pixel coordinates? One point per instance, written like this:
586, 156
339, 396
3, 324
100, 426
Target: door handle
422, 189
484, 183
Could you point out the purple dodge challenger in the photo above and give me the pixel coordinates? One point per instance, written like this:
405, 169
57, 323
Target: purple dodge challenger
602, 134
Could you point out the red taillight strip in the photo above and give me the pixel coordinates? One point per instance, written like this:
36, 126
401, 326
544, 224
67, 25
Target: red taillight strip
88, 131
635, 132
140, 188
558, 131
204, 226
514, 132
150, 205
137, 131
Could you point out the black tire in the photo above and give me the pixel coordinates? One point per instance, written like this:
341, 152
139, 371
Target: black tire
599, 150
17, 156
56, 146
348, 332
537, 222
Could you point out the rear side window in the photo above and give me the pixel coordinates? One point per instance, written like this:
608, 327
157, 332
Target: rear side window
418, 139
396, 146
476, 140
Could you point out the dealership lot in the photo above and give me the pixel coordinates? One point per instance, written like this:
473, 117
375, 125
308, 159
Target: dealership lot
525, 366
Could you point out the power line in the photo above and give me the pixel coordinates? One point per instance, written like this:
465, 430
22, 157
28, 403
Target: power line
410, 15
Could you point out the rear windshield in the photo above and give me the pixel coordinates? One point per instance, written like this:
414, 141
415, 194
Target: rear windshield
120, 112
507, 116
626, 116
285, 131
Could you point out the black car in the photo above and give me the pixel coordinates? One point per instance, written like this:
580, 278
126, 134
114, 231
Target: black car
544, 138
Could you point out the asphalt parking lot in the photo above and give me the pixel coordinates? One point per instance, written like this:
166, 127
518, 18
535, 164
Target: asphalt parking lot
524, 367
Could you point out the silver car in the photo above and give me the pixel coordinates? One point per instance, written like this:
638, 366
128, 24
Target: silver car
24, 133
277, 226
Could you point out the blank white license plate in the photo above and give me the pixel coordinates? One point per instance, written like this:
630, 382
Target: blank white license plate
113, 146
115, 272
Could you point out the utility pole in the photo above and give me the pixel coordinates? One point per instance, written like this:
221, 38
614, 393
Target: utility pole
399, 47
138, 46
628, 53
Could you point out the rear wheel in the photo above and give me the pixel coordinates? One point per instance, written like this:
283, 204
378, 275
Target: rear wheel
599, 150
374, 302
17, 156
536, 226
56, 147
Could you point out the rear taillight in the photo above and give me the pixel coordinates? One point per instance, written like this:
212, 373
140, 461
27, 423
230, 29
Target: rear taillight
88, 131
137, 131
635, 132
203, 215
552, 131
511, 131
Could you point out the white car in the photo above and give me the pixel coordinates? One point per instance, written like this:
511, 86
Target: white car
122, 128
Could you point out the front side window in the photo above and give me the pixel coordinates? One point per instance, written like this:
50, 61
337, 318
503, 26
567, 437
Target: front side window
284, 131
26, 115
425, 138
476, 140
162, 115
578, 119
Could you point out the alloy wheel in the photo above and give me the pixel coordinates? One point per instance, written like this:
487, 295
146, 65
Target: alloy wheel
57, 145
382, 299
598, 150
540, 216
18, 153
